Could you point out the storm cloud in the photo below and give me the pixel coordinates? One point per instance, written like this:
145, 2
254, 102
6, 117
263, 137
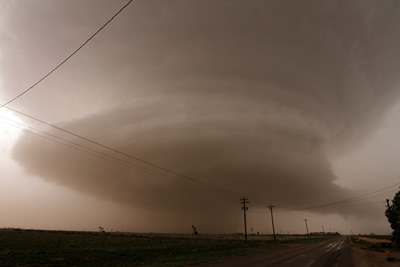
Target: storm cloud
252, 97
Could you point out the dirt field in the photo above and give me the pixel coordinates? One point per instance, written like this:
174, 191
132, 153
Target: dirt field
365, 257
374, 240
49, 248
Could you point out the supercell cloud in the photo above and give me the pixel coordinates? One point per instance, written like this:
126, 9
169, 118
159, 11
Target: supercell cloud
250, 97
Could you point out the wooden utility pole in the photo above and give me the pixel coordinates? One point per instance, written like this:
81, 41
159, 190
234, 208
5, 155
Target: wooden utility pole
308, 235
244, 201
272, 218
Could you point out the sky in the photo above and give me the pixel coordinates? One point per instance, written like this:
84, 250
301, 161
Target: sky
176, 110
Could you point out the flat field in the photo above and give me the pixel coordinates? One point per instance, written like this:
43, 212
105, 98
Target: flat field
52, 248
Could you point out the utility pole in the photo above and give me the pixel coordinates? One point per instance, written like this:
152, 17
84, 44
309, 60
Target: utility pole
244, 208
323, 230
272, 218
307, 228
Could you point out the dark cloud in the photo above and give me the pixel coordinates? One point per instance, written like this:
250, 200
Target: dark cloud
250, 98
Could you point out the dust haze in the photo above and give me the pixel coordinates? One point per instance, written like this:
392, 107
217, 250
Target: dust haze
253, 97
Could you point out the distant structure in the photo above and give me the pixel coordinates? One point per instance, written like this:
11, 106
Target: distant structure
194, 230
324, 233
101, 229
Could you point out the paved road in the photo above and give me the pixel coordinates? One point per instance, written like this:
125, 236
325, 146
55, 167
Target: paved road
333, 252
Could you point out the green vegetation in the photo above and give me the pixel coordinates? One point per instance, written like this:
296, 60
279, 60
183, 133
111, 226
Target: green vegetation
372, 245
393, 214
34, 247
304, 239
356, 240
384, 237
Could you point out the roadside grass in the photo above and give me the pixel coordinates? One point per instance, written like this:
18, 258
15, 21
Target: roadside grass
52, 248
25, 247
305, 239
356, 240
386, 237
372, 245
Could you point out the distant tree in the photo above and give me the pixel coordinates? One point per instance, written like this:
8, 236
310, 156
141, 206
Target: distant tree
393, 214
194, 230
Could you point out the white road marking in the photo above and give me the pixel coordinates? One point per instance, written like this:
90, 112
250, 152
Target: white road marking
334, 246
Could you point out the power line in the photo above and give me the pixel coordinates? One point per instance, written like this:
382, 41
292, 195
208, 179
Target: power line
65, 60
341, 201
178, 174
358, 204
333, 206
94, 142
227, 192
199, 185
105, 156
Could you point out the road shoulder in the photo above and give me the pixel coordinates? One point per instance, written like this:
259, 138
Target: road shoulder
362, 256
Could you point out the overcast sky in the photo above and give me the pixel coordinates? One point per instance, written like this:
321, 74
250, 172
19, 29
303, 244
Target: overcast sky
289, 103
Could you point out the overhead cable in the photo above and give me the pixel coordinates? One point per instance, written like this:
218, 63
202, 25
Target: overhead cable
65, 60
129, 156
341, 201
